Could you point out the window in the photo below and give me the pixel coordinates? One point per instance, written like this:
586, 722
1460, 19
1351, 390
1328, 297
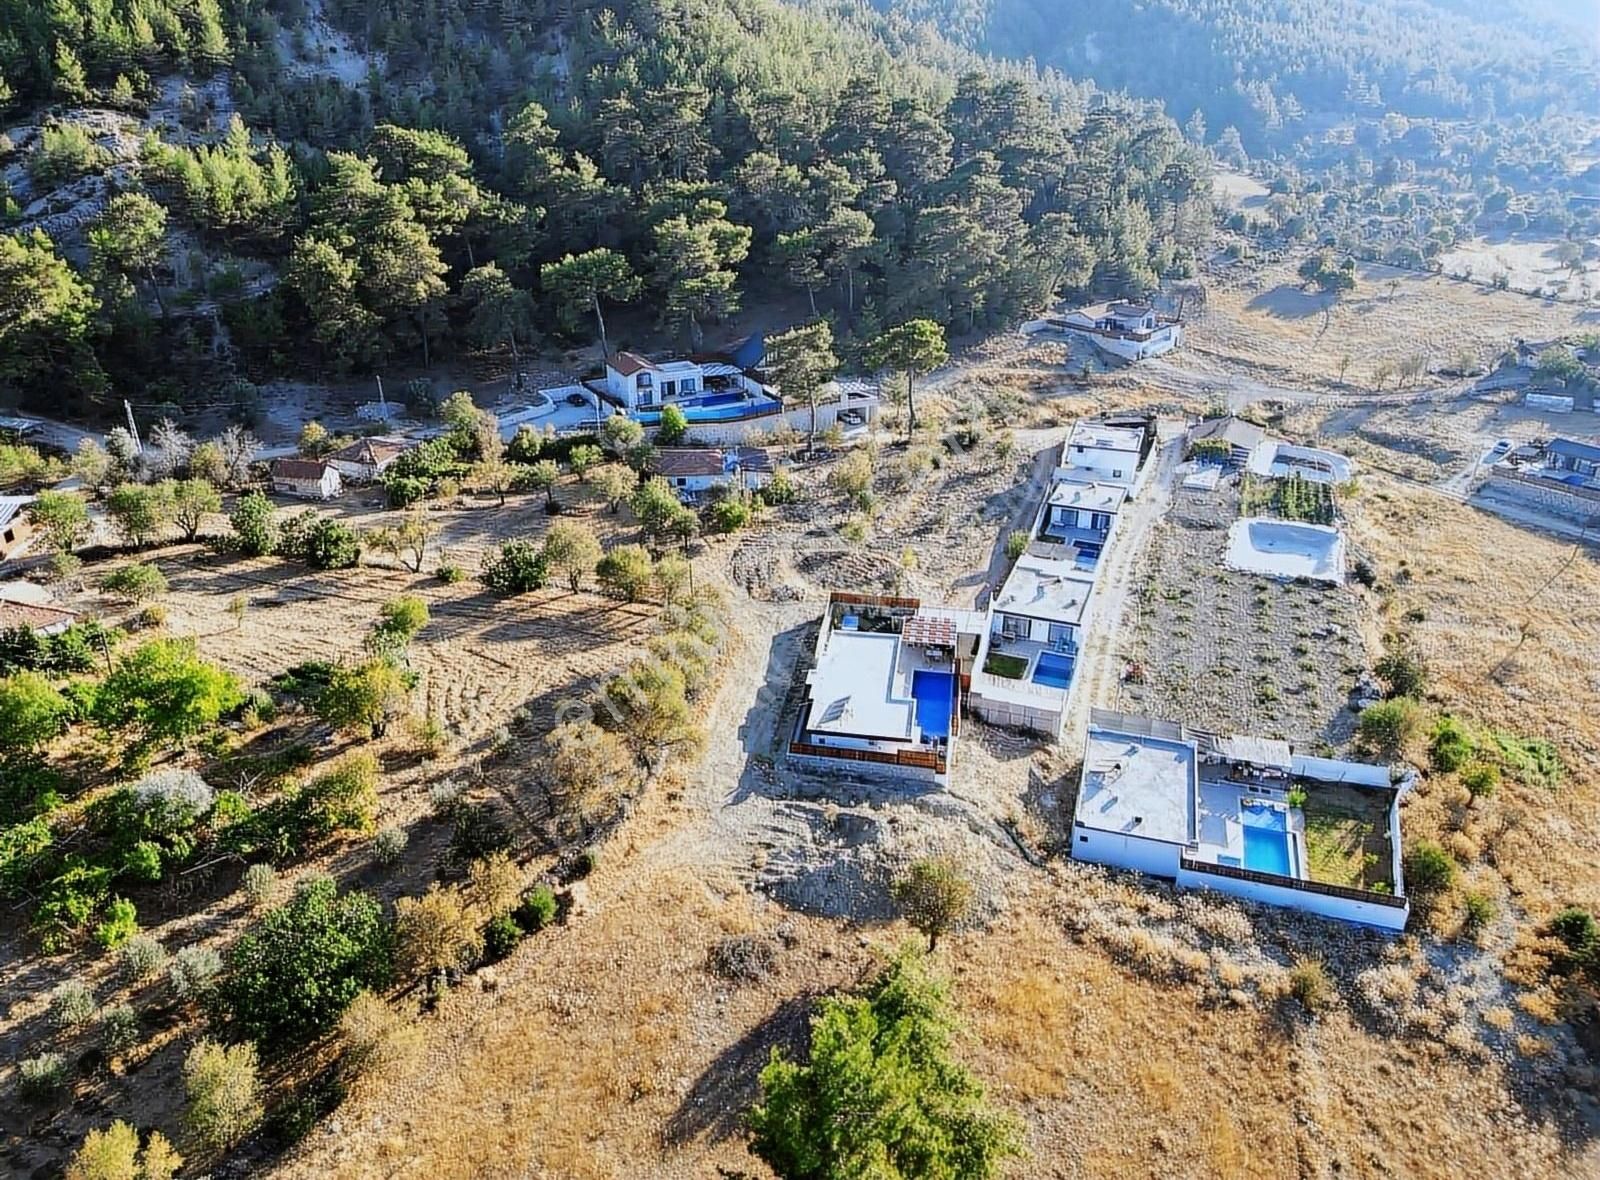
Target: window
1013, 628
1083, 839
1117, 474
681, 482
644, 381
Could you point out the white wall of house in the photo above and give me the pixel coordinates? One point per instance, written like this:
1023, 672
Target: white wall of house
1155, 857
325, 488
1108, 466
1369, 913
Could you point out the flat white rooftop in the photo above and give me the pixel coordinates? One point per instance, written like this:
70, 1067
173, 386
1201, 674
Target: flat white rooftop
1285, 549
855, 690
1046, 588
1137, 785
1279, 460
1087, 495
1105, 438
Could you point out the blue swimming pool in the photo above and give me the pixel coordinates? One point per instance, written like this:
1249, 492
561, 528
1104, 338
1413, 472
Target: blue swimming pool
1053, 670
1266, 839
935, 694
716, 407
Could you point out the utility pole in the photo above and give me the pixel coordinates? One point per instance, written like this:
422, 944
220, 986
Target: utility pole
133, 427
383, 402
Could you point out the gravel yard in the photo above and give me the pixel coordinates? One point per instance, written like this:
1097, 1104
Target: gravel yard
1236, 652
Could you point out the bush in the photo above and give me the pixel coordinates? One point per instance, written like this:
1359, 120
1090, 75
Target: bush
500, 937
330, 545
435, 932
626, 572
193, 972
1310, 985
292, 974
375, 1035
119, 1029
1402, 673
516, 568
344, 798
135, 583
170, 802
741, 958
478, 833
674, 427
1481, 779
365, 698
1450, 744
1388, 725
388, 846
1429, 869
1576, 927
259, 883
142, 958
1480, 910
41, 1077
538, 909
121, 923
113, 1154
224, 1091
729, 516
72, 1004
254, 525
449, 573
163, 692
1016, 545
32, 712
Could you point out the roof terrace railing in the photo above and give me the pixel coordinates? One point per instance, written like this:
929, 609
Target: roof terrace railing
1243, 874
917, 759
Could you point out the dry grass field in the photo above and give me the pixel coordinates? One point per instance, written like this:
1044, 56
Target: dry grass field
1261, 319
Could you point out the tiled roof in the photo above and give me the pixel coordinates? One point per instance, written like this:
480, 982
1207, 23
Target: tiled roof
629, 363
298, 468
371, 450
686, 461
32, 615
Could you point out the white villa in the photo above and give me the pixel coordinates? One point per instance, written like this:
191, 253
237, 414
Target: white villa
723, 396
309, 479
694, 471
1128, 331
884, 692
1229, 814
1105, 454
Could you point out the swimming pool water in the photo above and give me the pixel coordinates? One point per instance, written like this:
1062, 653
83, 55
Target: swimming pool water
1053, 671
716, 407
935, 694
1266, 839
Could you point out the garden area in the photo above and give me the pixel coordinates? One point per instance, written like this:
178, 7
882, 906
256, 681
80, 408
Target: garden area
1294, 498
1347, 838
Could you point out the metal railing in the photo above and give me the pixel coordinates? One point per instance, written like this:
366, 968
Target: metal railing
1243, 874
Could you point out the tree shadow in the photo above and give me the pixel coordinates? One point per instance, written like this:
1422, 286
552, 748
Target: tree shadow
715, 1106
1286, 302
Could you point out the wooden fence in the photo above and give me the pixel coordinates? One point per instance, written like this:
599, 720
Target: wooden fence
914, 759
1242, 874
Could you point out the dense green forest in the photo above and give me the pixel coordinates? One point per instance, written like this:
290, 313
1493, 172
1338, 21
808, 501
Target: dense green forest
503, 169
1275, 71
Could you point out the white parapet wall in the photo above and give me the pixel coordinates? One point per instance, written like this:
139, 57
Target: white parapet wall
1375, 912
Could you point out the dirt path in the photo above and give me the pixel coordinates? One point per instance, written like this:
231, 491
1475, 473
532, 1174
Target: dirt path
1100, 665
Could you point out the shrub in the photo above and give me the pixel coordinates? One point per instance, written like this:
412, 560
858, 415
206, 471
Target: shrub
934, 896
444, 797
113, 1154
1429, 868
254, 525
388, 846
193, 972
292, 974
741, 958
224, 1091
402, 617
1016, 545
42, 1076
516, 568
32, 712
500, 937
538, 909
435, 932
449, 573
344, 798
259, 883
135, 583
674, 427
119, 1029
142, 958
1576, 927
121, 923
1310, 985
365, 698
330, 545
1480, 910
626, 572
163, 692
1388, 725
71, 1004
375, 1035
729, 516
170, 802
1481, 779
1450, 744
478, 832
1296, 797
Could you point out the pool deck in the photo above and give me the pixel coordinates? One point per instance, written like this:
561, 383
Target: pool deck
1221, 827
